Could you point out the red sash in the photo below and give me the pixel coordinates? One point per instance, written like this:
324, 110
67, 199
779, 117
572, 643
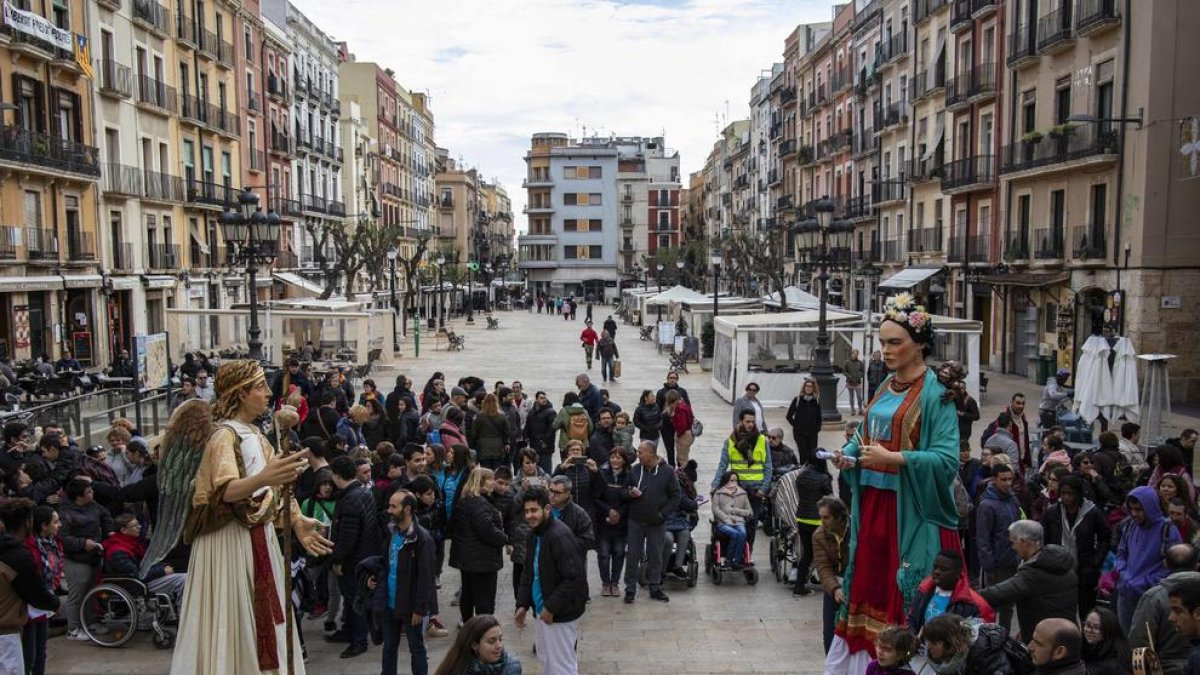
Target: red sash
267, 611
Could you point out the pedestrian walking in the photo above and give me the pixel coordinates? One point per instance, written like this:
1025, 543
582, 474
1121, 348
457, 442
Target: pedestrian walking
589, 338
804, 414
653, 493
610, 325
853, 370
552, 585
606, 347
682, 420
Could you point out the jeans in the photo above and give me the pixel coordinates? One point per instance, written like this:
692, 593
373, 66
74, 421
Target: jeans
668, 441
610, 554
80, 578
675, 547
33, 643
856, 396
648, 540
735, 552
804, 562
356, 624
478, 594
392, 627
588, 349
829, 609
606, 367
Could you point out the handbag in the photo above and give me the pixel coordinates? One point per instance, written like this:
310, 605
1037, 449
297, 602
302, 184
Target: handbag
697, 427
616, 368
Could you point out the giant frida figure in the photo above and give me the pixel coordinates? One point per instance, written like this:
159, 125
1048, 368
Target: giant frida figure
901, 471
232, 621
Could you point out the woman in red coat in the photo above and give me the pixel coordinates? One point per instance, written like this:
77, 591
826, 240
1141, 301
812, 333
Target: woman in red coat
681, 418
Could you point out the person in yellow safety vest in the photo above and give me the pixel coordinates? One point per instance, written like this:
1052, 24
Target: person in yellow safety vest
746, 454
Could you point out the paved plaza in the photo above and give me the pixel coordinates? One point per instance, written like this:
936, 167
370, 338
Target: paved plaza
733, 628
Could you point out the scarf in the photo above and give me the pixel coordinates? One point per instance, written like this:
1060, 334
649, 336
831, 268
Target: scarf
51, 554
478, 667
954, 666
745, 441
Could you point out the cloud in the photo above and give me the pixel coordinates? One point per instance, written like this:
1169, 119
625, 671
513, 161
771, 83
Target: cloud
500, 70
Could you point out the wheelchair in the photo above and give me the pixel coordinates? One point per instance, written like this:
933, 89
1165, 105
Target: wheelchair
717, 562
691, 564
123, 606
784, 550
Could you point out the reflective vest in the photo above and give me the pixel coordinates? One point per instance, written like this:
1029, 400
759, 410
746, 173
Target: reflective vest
747, 473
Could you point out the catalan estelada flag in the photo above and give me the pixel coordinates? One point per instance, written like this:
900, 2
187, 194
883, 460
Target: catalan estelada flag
83, 56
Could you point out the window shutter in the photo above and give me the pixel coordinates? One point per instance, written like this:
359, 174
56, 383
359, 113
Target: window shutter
77, 102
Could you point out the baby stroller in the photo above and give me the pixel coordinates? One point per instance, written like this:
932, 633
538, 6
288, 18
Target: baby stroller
785, 543
717, 561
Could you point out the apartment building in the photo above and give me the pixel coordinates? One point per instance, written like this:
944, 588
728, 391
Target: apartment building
360, 170
764, 151
497, 239
50, 287
587, 201
279, 143
458, 202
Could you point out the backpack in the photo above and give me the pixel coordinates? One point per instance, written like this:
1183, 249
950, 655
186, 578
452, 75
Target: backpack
577, 427
1018, 657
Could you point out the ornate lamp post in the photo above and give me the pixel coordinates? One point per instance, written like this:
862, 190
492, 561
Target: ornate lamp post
658, 277
815, 234
441, 317
254, 237
679, 271
715, 259
391, 256
471, 292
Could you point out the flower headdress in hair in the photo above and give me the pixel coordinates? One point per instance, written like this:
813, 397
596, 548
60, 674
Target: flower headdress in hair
904, 310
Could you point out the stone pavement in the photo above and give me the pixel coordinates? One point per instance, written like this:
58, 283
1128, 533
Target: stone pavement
733, 628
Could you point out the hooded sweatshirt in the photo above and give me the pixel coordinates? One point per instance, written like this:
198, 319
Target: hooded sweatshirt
562, 422
1141, 547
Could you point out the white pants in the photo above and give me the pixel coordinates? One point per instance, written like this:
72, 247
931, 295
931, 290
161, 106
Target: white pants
12, 658
556, 648
839, 660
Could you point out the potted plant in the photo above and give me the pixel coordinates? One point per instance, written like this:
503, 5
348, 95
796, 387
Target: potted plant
1032, 138
708, 336
1064, 130
938, 171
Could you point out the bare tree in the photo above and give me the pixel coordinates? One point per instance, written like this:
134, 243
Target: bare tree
378, 240
320, 232
411, 266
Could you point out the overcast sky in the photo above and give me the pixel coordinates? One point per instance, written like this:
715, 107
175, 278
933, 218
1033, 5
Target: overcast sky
501, 70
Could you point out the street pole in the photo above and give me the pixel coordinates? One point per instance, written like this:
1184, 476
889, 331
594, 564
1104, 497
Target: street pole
470, 296
395, 308
822, 368
716, 285
255, 344
441, 298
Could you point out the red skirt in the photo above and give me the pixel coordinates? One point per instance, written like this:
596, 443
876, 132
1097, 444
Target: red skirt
875, 599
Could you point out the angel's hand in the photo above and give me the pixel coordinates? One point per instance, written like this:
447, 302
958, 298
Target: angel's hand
308, 532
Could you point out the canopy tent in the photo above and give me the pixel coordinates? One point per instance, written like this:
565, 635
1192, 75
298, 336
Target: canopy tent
634, 302
797, 299
696, 314
776, 350
296, 281
676, 294
908, 277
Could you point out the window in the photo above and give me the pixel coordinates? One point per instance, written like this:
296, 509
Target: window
1023, 210
1062, 100
570, 252
664, 220
1104, 94
595, 225
664, 241
1099, 209
593, 252
227, 169
33, 209
249, 39
570, 225
1028, 111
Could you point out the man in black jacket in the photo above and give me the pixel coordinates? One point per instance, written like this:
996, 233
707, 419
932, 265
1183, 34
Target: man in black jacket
21, 582
601, 443
355, 536
405, 595
654, 491
551, 584
84, 525
672, 384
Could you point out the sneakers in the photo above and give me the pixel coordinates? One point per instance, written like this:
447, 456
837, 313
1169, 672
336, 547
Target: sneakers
629, 596
436, 631
354, 650
78, 635
658, 595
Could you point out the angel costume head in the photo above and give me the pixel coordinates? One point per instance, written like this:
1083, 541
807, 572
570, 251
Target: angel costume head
234, 380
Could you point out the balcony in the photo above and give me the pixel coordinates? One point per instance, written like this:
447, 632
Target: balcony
970, 174
1022, 47
868, 11
277, 88
209, 45
891, 115
119, 180
152, 16
336, 108
977, 84
313, 204
41, 244
923, 9
209, 193
1095, 16
891, 51
766, 223
162, 256
983, 8
842, 141
775, 131
784, 203
1064, 144
1088, 242
893, 250
253, 103
773, 177
727, 199
1017, 248
787, 95
787, 148
157, 95
290, 207
258, 160
842, 80
927, 240
446, 202
979, 248
537, 180
185, 30
860, 208
1048, 243
1055, 31
960, 15
162, 187
116, 79
280, 143
44, 151
923, 170
957, 251
890, 190
865, 142
124, 259
927, 82
225, 56
539, 207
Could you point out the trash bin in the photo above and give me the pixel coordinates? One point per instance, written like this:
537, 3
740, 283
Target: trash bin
1045, 368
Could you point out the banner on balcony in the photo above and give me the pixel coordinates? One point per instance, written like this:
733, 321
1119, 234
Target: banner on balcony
83, 56
37, 26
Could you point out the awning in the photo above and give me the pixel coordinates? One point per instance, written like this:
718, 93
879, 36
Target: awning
152, 281
293, 279
1026, 279
909, 277
83, 280
47, 283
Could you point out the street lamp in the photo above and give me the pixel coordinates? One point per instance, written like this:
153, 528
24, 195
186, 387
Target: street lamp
441, 318
254, 236
679, 267
658, 277
391, 256
815, 233
715, 259
487, 287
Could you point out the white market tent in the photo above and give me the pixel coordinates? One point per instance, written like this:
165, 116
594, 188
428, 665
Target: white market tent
696, 314
797, 299
676, 294
634, 301
776, 350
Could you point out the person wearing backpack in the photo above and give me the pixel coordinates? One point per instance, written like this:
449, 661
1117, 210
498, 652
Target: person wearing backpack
1141, 548
572, 422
